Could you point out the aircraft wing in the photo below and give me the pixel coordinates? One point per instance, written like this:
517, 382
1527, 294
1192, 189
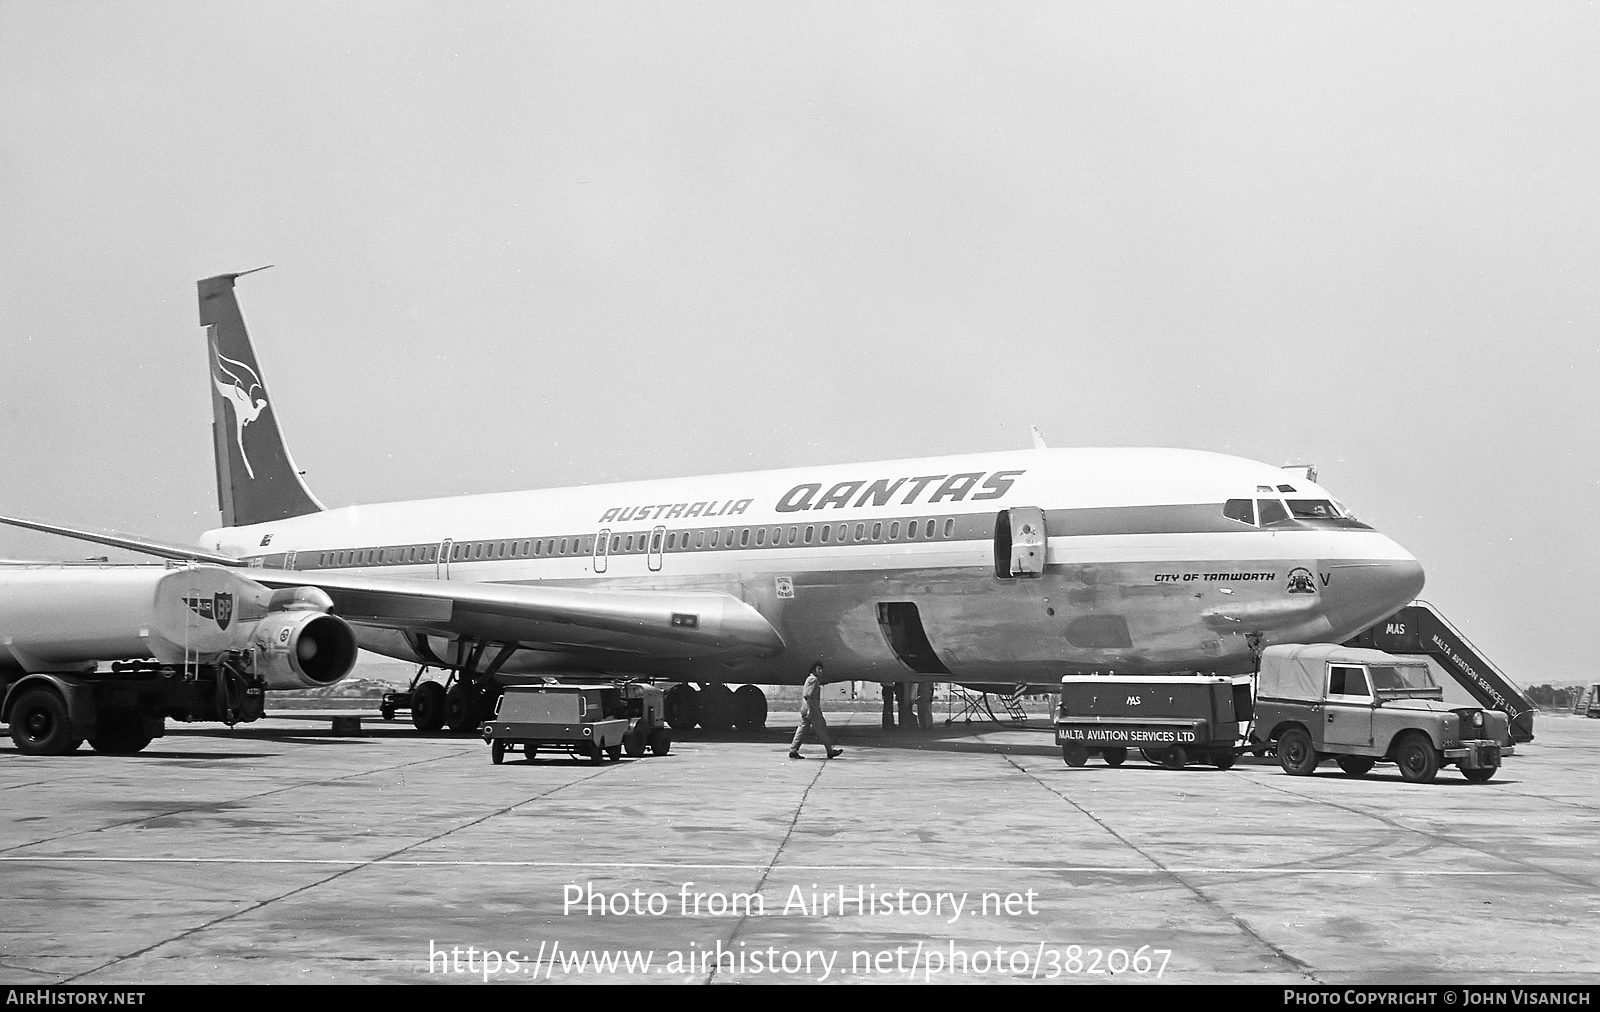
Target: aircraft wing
658, 625
614, 624
160, 549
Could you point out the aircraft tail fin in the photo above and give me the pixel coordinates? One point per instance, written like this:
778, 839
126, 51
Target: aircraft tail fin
256, 478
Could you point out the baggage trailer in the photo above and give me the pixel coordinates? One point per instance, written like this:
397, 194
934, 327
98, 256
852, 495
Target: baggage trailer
596, 722
1172, 719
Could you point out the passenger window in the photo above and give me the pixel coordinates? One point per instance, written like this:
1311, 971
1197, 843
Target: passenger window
826, 530
716, 537
927, 531
588, 546
628, 546
1344, 681
911, 529
761, 536
563, 546
537, 545
699, 539
672, 541
777, 535
794, 533
744, 537
861, 531
1272, 511
894, 530
877, 531
1242, 510
810, 532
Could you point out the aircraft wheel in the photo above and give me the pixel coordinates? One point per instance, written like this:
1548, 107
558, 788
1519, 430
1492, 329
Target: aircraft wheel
1114, 756
1419, 761
460, 710
635, 740
1295, 753
749, 708
1176, 758
1355, 765
427, 707
1479, 776
660, 741
497, 751
716, 708
683, 707
40, 726
1223, 760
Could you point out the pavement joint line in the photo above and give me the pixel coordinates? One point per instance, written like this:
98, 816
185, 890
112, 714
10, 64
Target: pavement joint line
354, 867
767, 871
673, 866
1438, 838
1294, 963
229, 801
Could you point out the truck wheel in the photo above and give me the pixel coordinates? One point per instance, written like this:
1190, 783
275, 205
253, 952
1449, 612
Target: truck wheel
1479, 776
1295, 753
1175, 758
1355, 765
1223, 760
614, 753
497, 751
1419, 762
40, 726
1114, 756
1074, 755
596, 754
427, 707
660, 741
120, 734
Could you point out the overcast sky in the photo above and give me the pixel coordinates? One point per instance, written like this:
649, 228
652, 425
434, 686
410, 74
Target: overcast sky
522, 245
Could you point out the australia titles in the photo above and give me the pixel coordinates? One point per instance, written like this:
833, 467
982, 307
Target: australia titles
929, 488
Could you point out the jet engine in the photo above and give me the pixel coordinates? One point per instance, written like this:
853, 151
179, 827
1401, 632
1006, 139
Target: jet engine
303, 649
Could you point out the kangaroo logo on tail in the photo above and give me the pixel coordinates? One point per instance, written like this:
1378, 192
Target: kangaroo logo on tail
240, 387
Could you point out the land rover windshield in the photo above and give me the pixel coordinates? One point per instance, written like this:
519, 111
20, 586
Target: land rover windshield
1401, 678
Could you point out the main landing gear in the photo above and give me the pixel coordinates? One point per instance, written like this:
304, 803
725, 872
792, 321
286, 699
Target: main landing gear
716, 707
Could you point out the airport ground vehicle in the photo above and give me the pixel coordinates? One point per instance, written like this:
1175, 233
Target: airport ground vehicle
189, 643
1360, 707
1172, 719
596, 722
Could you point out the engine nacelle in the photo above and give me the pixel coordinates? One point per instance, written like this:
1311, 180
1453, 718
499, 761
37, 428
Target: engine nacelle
303, 649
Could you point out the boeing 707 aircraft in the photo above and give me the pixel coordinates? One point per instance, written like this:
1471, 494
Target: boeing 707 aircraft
1012, 567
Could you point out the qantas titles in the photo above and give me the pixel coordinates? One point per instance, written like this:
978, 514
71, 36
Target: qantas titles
809, 496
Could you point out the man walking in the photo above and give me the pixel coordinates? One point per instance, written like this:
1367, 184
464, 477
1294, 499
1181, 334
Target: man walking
811, 717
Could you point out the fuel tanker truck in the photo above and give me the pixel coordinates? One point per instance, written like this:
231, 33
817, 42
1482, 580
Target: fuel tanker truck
108, 653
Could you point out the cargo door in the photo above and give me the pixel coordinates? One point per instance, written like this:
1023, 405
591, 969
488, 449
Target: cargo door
602, 550
1347, 716
902, 627
1019, 542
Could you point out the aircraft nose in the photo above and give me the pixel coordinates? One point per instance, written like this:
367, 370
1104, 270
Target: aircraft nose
1367, 590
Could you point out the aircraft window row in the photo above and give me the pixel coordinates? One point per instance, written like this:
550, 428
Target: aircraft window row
626, 543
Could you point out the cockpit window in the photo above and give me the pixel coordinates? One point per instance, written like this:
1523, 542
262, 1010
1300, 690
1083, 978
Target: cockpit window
1402, 676
1271, 511
1313, 509
1242, 510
